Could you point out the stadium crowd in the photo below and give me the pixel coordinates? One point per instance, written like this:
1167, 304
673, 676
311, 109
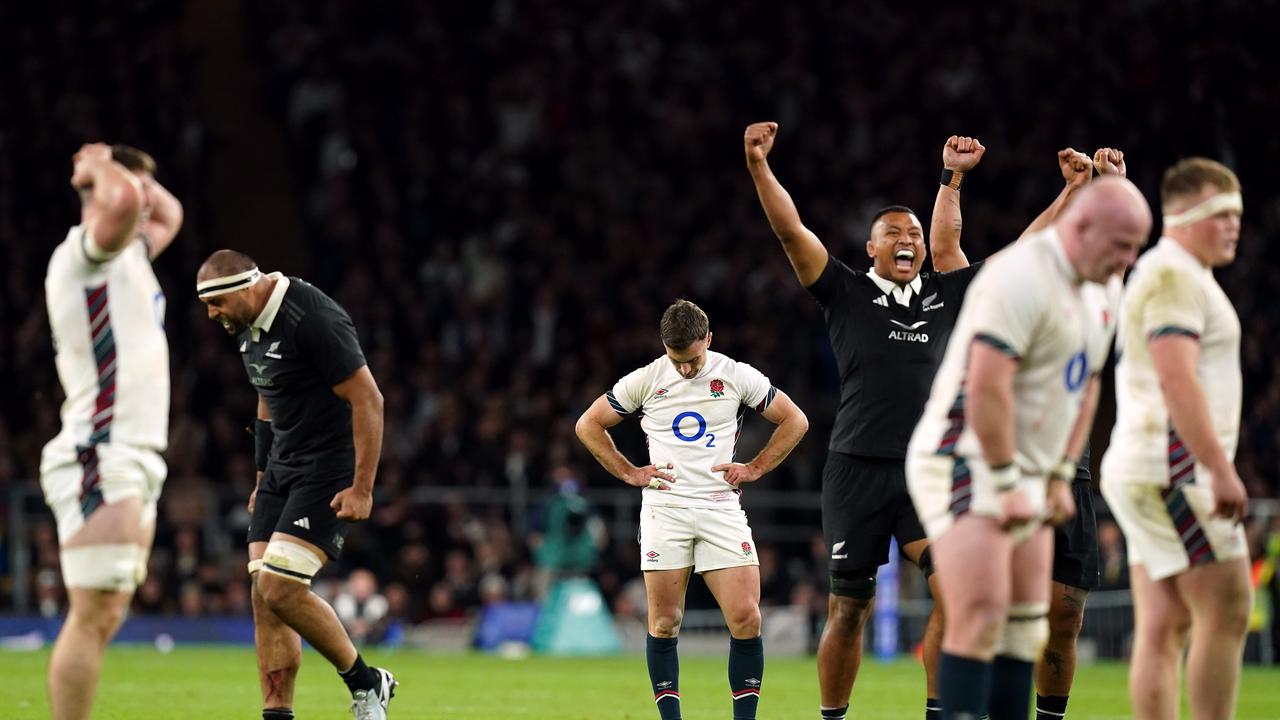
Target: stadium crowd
505, 195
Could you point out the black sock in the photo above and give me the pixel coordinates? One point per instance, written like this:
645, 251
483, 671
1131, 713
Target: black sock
834, 713
1010, 688
1051, 707
360, 676
932, 709
279, 713
746, 671
963, 687
664, 673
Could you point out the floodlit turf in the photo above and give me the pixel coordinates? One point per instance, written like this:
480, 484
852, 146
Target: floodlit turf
199, 683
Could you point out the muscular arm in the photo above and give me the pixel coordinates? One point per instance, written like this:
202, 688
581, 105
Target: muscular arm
989, 401
593, 430
959, 155
792, 425
362, 394
113, 201
165, 219
1175, 357
1084, 421
944, 231
806, 252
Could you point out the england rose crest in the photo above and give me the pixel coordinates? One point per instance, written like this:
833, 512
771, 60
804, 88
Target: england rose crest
717, 387
746, 548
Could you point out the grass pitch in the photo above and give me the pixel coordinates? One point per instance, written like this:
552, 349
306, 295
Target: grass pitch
199, 683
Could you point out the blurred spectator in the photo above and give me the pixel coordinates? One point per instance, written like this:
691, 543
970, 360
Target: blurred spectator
1113, 565
364, 612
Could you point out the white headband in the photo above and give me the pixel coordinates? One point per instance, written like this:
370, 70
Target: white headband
227, 284
1227, 201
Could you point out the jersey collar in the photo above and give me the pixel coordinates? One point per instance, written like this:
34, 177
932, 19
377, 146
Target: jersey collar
268, 314
1060, 255
901, 293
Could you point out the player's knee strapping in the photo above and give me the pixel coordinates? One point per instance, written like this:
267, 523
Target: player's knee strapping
115, 568
1025, 631
857, 584
289, 560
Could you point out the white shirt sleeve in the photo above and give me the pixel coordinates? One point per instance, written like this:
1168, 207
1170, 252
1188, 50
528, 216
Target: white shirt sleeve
1171, 302
1007, 309
754, 388
630, 392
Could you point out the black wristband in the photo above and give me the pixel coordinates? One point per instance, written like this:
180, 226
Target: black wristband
952, 178
262, 438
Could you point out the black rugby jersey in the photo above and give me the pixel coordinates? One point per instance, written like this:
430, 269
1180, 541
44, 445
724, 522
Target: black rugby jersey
886, 353
306, 345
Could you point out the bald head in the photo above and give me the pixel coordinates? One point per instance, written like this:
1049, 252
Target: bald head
223, 263
1105, 227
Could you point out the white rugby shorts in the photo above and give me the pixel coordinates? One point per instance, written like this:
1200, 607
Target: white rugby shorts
944, 487
705, 538
1170, 530
77, 484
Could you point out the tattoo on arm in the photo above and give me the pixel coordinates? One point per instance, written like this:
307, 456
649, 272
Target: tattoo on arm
958, 224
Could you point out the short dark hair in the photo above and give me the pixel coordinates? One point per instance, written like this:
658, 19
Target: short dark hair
891, 209
683, 324
133, 159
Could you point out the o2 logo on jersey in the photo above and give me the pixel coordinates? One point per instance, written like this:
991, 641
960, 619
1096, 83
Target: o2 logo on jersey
702, 428
1077, 370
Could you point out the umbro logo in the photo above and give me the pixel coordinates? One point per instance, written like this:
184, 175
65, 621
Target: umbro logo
304, 523
882, 301
913, 326
652, 555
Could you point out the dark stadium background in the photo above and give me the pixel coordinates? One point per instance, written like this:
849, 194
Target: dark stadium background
505, 195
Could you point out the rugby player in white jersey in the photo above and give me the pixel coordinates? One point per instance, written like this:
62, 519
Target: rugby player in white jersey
1010, 407
102, 473
1168, 474
692, 402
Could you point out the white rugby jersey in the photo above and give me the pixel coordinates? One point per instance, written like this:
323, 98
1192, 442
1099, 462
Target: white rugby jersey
112, 356
1027, 303
692, 423
1171, 292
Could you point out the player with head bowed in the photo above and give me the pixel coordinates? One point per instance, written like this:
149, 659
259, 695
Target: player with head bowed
318, 438
1168, 474
691, 402
1075, 541
102, 474
1010, 409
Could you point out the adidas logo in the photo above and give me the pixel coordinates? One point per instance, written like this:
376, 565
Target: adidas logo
304, 523
882, 301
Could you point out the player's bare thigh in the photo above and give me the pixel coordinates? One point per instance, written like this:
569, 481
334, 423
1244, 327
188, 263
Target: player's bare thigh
116, 523
737, 591
1032, 568
976, 594
665, 591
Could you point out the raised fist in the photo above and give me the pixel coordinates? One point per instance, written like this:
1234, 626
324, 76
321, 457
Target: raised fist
1077, 167
1109, 161
89, 155
757, 141
962, 154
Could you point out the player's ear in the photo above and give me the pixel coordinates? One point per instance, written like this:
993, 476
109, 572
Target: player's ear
708, 338
871, 247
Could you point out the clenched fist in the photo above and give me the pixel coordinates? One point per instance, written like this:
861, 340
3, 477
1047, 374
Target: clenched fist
1109, 161
757, 141
962, 154
1076, 167
89, 155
